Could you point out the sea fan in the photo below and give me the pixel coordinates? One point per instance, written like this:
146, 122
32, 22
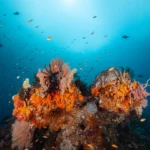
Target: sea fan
129, 71
57, 76
139, 92
56, 65
65, 82
43, 76
22, 135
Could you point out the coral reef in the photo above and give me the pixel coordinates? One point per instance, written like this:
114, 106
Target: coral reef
118, 93
49, 105
83, 134
64, 114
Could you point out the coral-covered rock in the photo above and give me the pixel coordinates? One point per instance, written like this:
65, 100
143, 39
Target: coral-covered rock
117, 94
54, 102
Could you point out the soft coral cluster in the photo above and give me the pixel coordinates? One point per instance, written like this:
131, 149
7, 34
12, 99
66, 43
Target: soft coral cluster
121, 96
53, 104
59, 73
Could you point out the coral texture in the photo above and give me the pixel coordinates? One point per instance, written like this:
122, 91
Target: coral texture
121, 96
57, 107
22, 135
52, 103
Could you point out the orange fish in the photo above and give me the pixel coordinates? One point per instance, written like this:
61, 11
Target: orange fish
114, 146
45, 137
110, 69
90, 146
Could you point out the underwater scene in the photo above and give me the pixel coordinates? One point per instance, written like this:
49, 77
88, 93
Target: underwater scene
74, 75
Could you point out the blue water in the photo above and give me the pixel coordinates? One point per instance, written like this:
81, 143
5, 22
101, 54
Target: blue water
25, 48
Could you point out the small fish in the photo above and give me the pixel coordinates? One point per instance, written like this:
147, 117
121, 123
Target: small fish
30, 21
18, 77
84, 38
36, 26
110, 69
94, 16
90, 146
49, 38
16, 13
45, 137
140, 76
92, 33
81, 69
142, 119
125, 36
114, 146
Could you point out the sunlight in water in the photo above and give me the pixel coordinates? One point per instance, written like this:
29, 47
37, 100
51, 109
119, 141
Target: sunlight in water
69, 2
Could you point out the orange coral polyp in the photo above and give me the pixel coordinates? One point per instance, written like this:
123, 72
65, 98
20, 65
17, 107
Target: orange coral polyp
39, 109
21, 111
115, 96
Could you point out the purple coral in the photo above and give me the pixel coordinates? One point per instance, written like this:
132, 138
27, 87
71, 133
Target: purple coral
139, 92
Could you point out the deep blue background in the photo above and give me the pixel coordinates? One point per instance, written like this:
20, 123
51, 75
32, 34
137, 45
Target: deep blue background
25, 48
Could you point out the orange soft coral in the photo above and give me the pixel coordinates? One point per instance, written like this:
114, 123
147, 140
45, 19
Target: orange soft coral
45, 111
114, 96
21, 111
120, 96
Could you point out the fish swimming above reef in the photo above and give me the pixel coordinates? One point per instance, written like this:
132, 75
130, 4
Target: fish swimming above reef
92, 33
94, 16
142, 119
30, 21
140, 76
49, 38
1, 45
125, 36
16, 13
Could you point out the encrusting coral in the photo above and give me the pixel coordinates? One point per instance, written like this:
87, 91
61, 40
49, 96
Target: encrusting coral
120, 94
